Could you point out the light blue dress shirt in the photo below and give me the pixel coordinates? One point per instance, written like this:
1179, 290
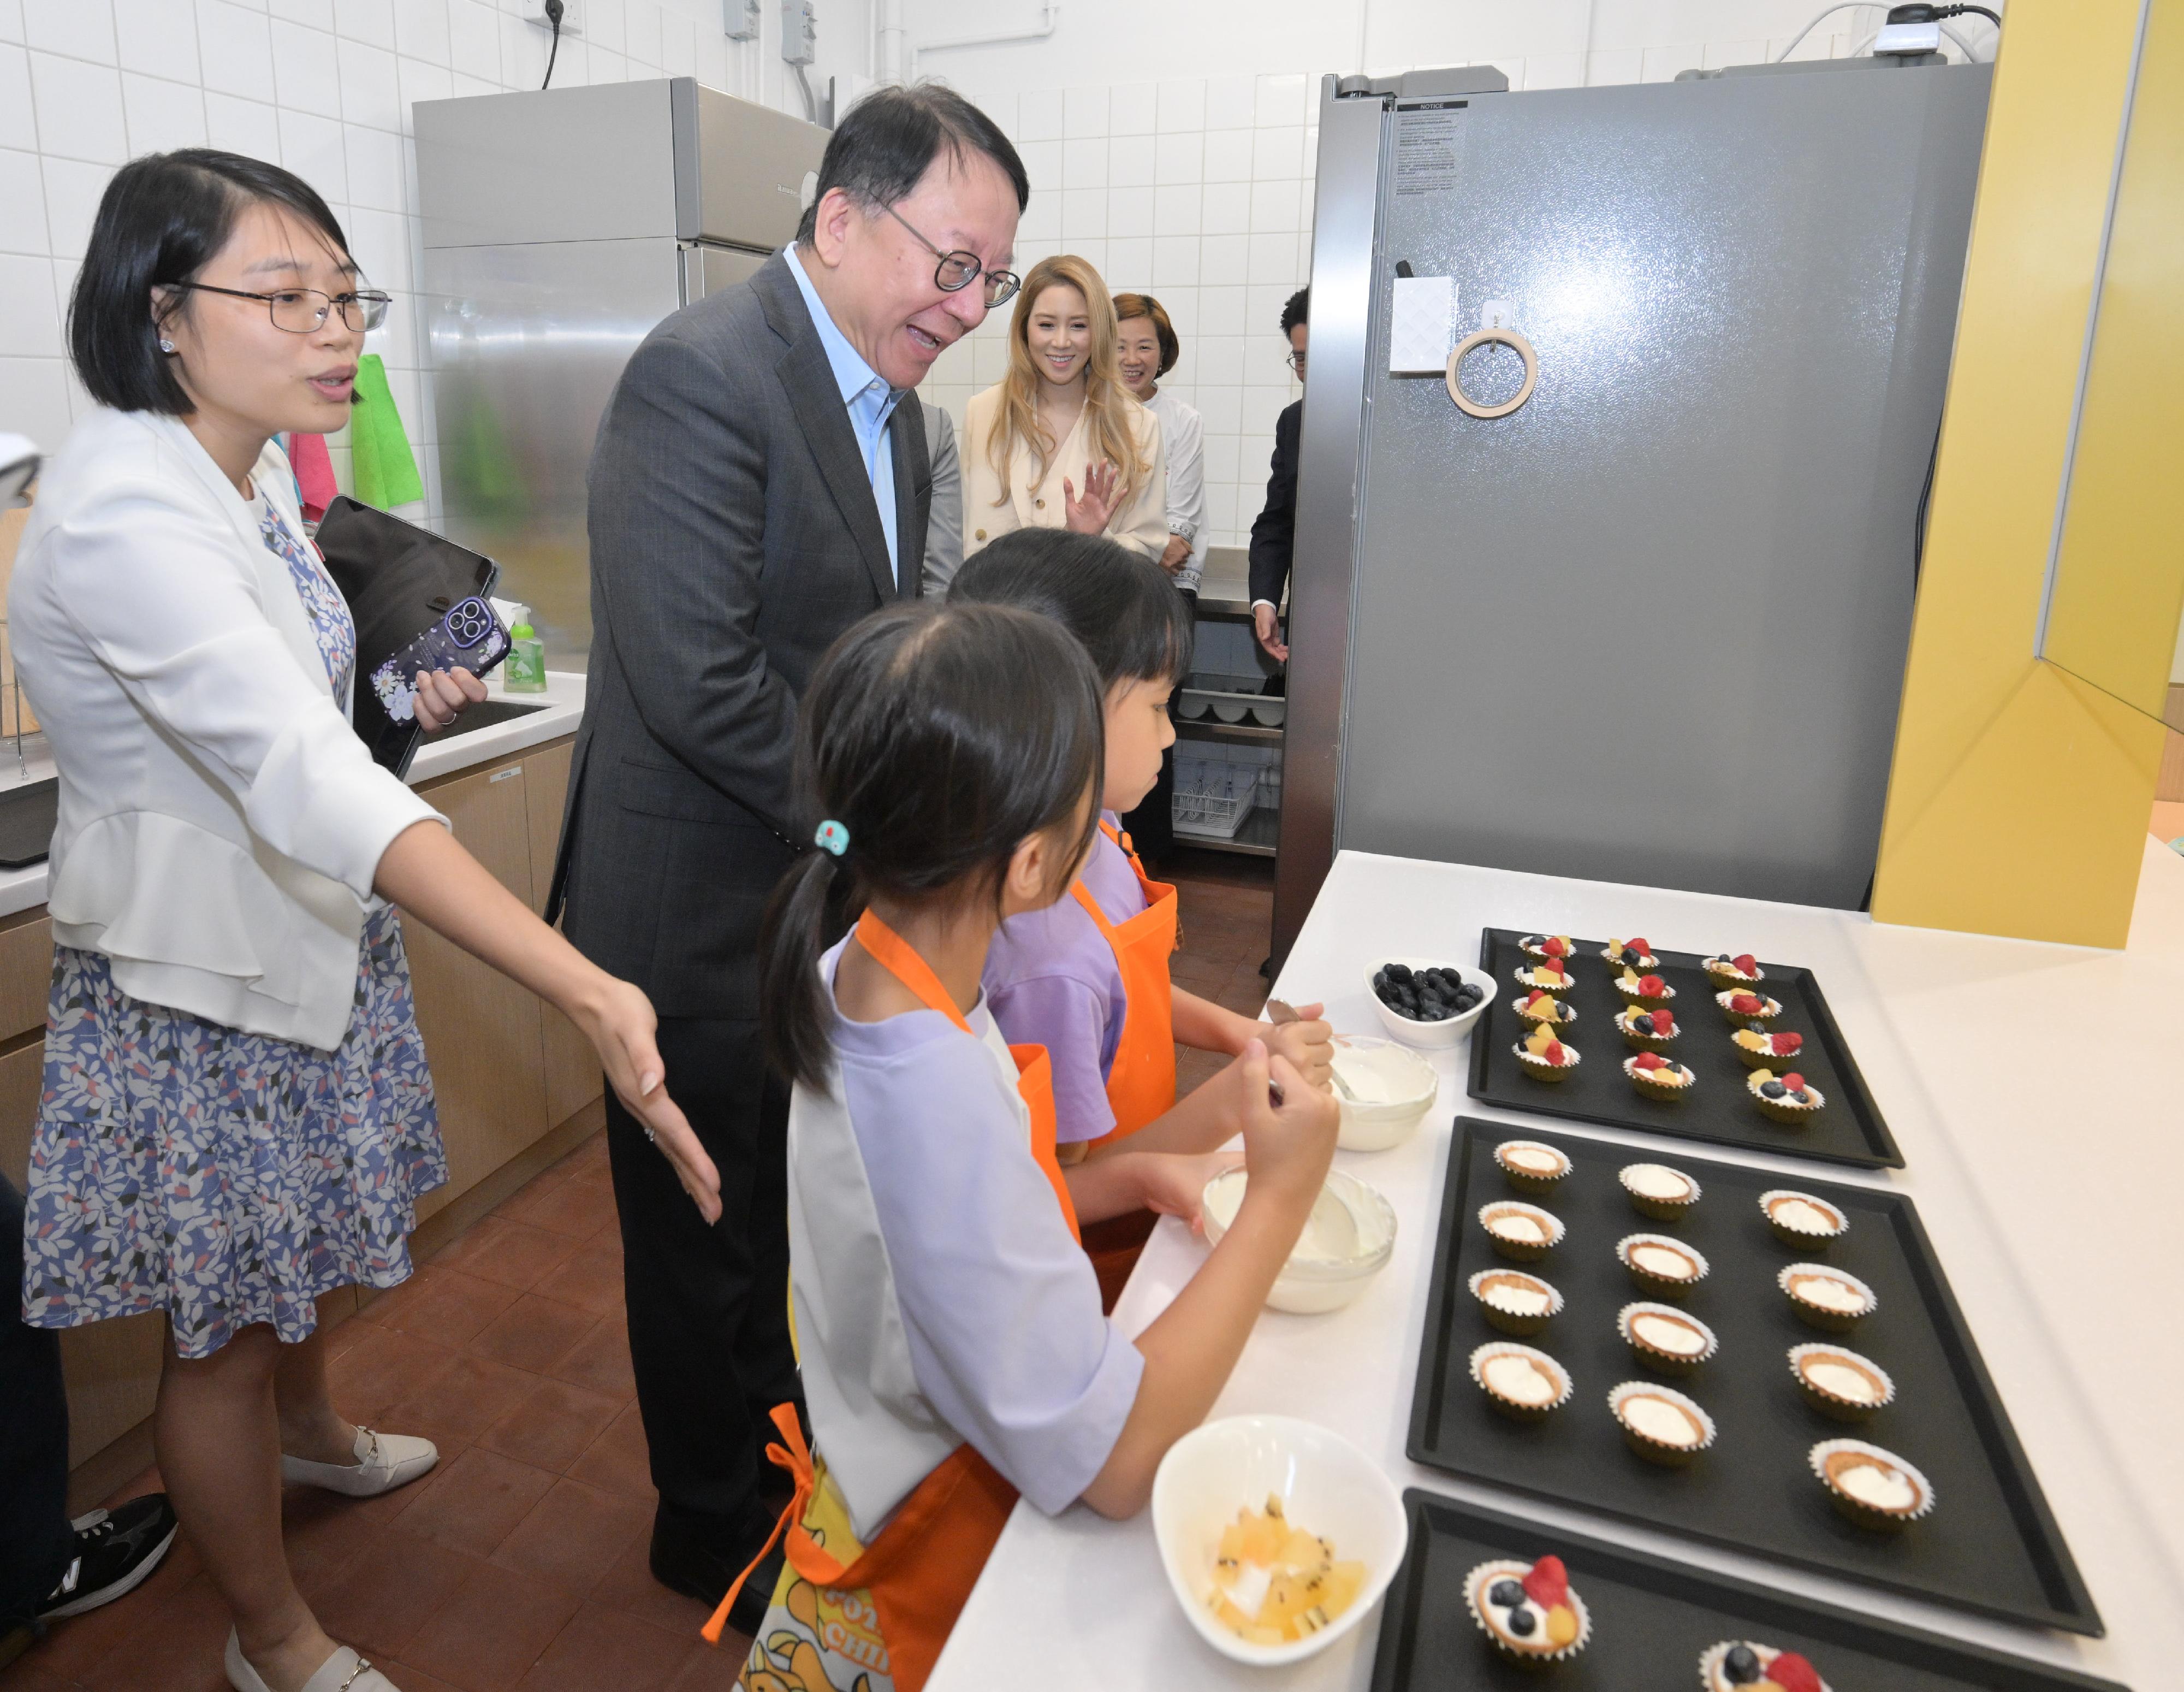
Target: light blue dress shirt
870, 404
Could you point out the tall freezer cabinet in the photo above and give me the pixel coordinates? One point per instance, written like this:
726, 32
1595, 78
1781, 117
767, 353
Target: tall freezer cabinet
559, 227
1651, 626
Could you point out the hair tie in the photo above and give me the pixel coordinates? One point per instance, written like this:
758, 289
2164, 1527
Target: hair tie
832, 837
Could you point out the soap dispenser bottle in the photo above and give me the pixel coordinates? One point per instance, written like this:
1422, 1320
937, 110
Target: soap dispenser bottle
525, 670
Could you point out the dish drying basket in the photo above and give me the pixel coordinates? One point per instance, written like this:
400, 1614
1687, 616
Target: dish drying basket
1230, 699
1213, 798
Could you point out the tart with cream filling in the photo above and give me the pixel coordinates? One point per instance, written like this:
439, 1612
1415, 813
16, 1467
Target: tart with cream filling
1666, 1268
1756, 1049
1514, 1302
1527, 1610
1523, 1231
1646, 993
1547, 948
1801, 1220
1655, 1190
1536, 1008
1635, 953
1660, 1078
1789, 1099
1748, 1009
1747, 1665
1874, 1488
1530, 1166
1831, 1299
1647, 1031
1659, 1423
1543, 1057
1546, 976
1521, 1382
1665, 1338
1742, 970
1840, 1383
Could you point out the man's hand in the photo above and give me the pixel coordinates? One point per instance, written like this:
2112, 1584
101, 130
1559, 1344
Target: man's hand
1176, 556
1103, 492
442, 694
1268, 628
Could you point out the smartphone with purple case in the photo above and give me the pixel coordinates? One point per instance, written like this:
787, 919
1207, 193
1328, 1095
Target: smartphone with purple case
470, 637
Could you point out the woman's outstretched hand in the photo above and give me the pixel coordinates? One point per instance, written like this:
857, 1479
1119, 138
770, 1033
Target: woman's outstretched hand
1103, 492
621, 1025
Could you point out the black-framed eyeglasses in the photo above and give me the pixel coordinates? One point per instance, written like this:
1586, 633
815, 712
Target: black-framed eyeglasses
1296, 362
301, 310
957, 270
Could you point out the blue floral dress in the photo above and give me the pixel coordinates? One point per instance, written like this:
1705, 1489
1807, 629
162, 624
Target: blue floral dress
225, 1177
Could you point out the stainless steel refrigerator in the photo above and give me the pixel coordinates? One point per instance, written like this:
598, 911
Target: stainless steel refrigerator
559, 227
1650, 625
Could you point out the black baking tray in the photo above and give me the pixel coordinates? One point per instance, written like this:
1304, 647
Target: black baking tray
1651, 1618
27, 823
1991, 1546
1848, 1129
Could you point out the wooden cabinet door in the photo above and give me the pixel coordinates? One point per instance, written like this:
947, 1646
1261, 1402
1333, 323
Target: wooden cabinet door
572, 1067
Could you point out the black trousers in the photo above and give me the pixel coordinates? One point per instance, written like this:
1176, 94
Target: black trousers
1151, 826
708, 1306
35, 1539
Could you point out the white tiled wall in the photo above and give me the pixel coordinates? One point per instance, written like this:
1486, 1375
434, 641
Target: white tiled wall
323, 86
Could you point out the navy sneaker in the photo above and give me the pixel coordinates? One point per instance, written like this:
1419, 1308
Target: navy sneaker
115, 1550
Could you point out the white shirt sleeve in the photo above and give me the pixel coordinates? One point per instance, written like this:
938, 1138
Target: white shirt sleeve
1185, 432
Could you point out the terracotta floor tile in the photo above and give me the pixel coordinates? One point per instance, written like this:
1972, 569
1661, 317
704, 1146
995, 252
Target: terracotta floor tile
574, 1534
591, 1279
179, 1650
23, 1675
324, 1530
553, 1426
619, 1460
600, 1361
388, 1592
514, 1254
413, 1679
628, 1586
384, 1367
604, 1648
461, 1402
534, 1333
578, 1206
495, 1624
74, 1648
451, 1308
475, 1502
713, 1668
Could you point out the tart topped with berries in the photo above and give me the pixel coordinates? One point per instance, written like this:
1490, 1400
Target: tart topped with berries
1548, 948
1547, 976
1535, 1007
1648, 991
1747, 1009
1746, 1666
1786, 1098
1757, 1049
1527, 1610
1658, 1077
1637, 954
1742, 970
1543, 1057
1647, 1031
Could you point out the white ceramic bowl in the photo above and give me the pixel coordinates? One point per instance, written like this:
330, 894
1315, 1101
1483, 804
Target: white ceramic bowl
1327, 1486
1193, 706
1433, 1036
1349, 1239
1270, 711
1230, 710
1374, 1124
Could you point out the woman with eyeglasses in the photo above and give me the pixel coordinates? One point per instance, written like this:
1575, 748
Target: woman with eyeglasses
236, 1117
1059, 442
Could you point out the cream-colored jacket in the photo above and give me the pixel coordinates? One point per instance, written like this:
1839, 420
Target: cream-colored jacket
1141, 522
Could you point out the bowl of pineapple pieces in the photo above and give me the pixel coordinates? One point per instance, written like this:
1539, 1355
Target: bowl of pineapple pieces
1278, 1537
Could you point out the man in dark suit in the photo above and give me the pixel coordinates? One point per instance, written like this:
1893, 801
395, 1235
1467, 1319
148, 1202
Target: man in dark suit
1273, 531
761, 482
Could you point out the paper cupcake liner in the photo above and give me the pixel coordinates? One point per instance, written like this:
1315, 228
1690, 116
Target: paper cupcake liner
1756, 1020
1784, 1109
1652, 1450
1522, 1251
1659, 1285
1641, 1042
1660, 1209
1523, 1324
1540, 1070
1503, 1348
1526, 1016
1645, 1001
1813, 1316
1648, 965
1885, 1521
1665, 1362
1712, 1659
1517, 1570
1527, 1181
1766, 1060
1723, 975
1828, 1403
1530, 977
1798, 1236
1666, 1092
1535, 946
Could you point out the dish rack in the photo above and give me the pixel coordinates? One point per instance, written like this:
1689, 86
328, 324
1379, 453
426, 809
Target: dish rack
1213, 798
1230, 699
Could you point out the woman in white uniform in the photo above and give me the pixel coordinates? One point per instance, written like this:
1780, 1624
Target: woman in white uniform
1146, 348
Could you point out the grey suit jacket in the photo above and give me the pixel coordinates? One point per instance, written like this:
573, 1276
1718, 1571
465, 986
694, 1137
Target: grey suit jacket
733, 536
943, 526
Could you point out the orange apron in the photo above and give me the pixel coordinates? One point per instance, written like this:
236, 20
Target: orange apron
885, 1610
1141, 1081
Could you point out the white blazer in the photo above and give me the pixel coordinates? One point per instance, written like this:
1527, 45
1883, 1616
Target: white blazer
990, 510
219, 823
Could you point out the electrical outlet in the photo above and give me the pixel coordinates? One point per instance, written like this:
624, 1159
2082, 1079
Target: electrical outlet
799, 32
572, 16
741, 19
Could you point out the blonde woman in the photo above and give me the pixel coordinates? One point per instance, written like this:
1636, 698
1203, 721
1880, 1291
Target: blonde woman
1059, 442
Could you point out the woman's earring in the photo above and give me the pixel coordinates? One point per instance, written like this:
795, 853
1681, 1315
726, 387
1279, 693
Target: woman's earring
165, 345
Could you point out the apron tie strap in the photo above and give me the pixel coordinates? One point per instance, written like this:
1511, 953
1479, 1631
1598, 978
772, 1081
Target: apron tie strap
796, 1458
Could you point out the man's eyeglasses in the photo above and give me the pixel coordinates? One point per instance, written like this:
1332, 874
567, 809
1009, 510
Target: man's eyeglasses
301, 310
957, 270
1296, 362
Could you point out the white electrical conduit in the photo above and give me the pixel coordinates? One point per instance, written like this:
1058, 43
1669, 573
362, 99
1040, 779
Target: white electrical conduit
1049, 15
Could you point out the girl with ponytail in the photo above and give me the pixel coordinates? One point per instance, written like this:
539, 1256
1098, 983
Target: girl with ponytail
953, 1350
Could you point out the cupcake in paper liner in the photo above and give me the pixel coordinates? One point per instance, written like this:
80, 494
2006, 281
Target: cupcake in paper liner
1636, 954
1522, 1233
1747, 1666
1529, 1611
1655, 1190
1547, 978
1727, 973
1544, 1057
1788, 1098
1532, 1166
1874, 1488
1646, 1031
1747, 1009
1535, 1008
1663, 1080
1523, 1383
1802, 1219
1665, 1339
1514, 1302
1548, 948
1659, 1423
1666, 1268
1841, 1384
1833, 1300
1756, 1049
1647, 991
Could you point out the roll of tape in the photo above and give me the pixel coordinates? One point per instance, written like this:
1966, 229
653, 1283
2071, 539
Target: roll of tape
1482, 338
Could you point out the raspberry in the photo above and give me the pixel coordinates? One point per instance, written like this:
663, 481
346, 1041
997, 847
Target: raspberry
1787, 1045
1548, 1584
1794, 1082
1649, 1060
1792, 1673
1746, 961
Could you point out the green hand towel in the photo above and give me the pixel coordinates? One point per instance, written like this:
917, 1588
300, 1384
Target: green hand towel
382, 470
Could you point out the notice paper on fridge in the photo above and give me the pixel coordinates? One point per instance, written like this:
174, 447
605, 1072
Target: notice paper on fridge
1422, 326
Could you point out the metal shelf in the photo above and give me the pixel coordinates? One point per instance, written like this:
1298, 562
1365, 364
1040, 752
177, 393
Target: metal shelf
1212, 729
1257, 838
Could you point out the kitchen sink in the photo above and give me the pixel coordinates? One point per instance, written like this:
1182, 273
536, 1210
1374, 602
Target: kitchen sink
489, 714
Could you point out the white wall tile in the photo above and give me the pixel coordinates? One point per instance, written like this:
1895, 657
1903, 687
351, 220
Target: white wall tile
376, 173
1179, 158
1220, 407
235, 48
641, 32
18, 126
604, 65
1083, 213
1231, 102
1228, 155
370, 89
1278, 154
162, 115
318, 14
30, 323
1084, 163
311, 146
1663, 63
1221, 308
1718, 54
306, 72
474, 39
11, 20
82, 29
420, 81
79, 109
369, 21
159, 37
420, 29
1130, 212
1175, 210
72, 191
1283, 100
1182, 106
1042, 218
250, 127
1226, 209
1129, 264
1553, 71
22, 203
604, 24
1220, 451
34, 400
1083, 113
1038, 116
1042, 162
1133, 108
678, 44
1175, 260
1274, 208
1614, 66
1130, 162
1223, 258
465, 85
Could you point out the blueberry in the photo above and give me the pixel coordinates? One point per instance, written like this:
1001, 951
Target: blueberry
1801, 1097
1507, 1594
1772, 1089
1740, 1667
1469, 994
1400, 972
1380, 978
1641, 1024
1522, 1621
1449, 979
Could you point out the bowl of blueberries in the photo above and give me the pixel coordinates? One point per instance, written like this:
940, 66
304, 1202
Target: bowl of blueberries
1423, 1002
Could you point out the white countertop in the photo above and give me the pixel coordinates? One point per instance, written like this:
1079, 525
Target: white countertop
563, 707
2036, 1093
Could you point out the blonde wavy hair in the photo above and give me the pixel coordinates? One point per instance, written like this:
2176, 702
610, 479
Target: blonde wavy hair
1107, 403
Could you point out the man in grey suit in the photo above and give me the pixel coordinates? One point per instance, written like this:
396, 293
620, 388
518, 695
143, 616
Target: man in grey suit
758, 486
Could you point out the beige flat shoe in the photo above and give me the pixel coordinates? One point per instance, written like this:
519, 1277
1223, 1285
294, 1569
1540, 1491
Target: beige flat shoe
384, 1462
343, 1671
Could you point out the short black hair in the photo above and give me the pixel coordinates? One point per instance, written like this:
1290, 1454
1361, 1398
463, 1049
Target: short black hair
1297, 309
889, 140
1124, 609
160, 221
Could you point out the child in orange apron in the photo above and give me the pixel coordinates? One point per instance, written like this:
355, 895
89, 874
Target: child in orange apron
1088, 978
953, 1350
